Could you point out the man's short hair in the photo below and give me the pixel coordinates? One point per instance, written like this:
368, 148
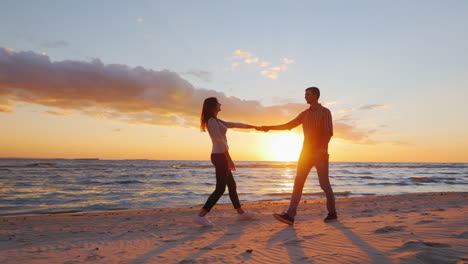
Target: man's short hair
314, 90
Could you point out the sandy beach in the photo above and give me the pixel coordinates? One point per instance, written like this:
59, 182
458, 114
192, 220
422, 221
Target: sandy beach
412, 228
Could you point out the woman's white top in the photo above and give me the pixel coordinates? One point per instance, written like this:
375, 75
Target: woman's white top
217, 129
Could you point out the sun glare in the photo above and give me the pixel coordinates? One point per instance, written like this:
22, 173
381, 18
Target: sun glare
285, 147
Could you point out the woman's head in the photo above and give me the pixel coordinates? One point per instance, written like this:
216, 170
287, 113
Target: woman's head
211, 107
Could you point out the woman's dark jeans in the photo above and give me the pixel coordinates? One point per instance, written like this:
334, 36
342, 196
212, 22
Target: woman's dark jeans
223, 177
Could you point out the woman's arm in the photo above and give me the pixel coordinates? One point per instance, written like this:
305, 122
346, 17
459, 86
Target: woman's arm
236, 125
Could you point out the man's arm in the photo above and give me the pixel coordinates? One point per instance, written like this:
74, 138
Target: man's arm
327, 132
287, 126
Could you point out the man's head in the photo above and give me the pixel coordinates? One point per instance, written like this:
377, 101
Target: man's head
312, 94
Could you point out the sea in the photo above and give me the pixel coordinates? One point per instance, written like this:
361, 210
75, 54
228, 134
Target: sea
50, 186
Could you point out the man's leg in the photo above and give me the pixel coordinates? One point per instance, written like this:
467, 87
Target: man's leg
303, 168
322, 172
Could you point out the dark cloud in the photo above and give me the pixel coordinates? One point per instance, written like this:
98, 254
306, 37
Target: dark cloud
130, 94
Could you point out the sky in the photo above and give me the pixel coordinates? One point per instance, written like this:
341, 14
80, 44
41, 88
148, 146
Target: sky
127, 79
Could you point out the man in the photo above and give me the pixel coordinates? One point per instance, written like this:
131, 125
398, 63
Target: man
318, 129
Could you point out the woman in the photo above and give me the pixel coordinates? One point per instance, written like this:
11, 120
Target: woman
220, 158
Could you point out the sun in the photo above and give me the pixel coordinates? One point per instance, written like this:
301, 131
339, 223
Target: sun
285, 146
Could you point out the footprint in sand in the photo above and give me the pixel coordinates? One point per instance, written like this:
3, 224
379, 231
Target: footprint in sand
421, 245
428, 252
436, 245
94, 257
187, 261
389, 229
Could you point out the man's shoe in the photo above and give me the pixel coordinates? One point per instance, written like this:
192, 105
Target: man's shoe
284, 217
331, 217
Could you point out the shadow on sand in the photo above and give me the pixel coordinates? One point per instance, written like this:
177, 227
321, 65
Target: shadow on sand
292, 244
375, 255
147, 256
233, 232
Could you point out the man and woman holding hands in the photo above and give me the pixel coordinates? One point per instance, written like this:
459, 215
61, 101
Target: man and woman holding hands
317, 128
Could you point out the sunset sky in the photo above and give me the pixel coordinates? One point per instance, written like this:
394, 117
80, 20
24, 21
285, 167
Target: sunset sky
126, 79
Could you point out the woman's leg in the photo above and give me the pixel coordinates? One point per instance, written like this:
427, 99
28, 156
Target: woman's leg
221, 167
232, 187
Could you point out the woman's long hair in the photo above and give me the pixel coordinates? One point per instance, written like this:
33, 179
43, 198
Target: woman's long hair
208, 111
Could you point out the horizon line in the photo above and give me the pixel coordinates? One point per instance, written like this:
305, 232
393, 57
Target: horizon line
12, 158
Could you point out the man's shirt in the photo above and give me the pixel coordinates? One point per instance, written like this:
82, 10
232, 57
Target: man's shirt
317, 126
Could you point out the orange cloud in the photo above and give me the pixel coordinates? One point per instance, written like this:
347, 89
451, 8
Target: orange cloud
62, 113
249, 58
372, 107
130, 94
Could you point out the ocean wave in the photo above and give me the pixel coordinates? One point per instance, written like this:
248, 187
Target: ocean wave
103, 207
352, 172
172, 183
367, 177
23, 184
387, 183
129, 182
120, 182
90, 182
56, 211
409, 166
431, 179
105, 184
41, 164
456, 183
344, 193
247, 166
167, 175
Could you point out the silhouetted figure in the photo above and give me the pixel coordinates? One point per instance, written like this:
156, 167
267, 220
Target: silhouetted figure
221, 159
318, 129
